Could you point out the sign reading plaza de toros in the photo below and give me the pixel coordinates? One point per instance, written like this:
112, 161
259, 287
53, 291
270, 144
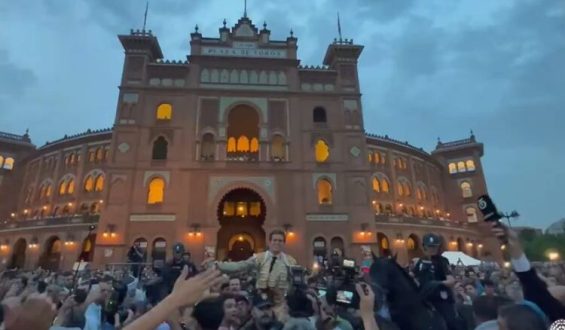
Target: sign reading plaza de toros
244, 50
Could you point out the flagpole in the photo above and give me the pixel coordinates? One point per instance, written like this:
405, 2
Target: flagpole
339, 27
145, 16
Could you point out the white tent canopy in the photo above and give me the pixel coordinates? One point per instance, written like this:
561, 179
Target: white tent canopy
458, 257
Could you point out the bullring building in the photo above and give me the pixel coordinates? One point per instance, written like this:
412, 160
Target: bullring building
218, 150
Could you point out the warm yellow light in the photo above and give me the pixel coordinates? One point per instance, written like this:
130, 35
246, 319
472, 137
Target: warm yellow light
290, 234
112, 235
240, 238
26, 211
437, 211
453, 242
480, 246
3, 247
421, 208
503, 247
321, 151
374, 202
70, 204
400, 205
101, 201
470, 244
13, 215
553, 256
44, 207
105, 234
198, 234
507, 264
190, 233
315, 266
448, 214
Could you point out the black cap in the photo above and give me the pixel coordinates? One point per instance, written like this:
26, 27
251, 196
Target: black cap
261, 300
431, 240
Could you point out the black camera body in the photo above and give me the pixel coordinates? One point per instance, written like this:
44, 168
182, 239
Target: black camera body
488, 209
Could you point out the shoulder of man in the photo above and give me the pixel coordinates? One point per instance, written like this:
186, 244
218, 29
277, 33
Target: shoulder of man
291, 261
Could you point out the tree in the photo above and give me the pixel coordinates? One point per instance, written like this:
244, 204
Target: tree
536, 248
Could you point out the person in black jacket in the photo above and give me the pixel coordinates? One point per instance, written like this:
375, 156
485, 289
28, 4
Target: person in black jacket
534, 288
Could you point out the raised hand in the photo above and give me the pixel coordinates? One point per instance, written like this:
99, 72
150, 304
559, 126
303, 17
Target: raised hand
190, 291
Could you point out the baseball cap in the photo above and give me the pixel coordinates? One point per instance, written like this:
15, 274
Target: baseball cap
261, 300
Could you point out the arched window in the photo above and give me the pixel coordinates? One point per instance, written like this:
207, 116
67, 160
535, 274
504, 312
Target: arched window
100, 154
325, 192
99, 184
71, 186
385, 186
376, 185
232, 145
42, 191
164, 112
452, 168
160, 147
208, 147
156, 192
377, 157
322, 151
277, 148
89, 184
62, 188
461, 167
243, 144
9, 163
470, 165
254, 145
411, 243
370, 157
319, 115
407, 190
466, 189
400, 189
49, 190
471, 214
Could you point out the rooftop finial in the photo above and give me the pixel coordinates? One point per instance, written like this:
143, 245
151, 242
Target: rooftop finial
339, 27
291, 33
145, 16
244, 8
265, 25
225, 22
196, 28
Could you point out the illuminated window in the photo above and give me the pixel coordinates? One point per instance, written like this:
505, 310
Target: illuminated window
471, 214
466, 189
99, 185
89, 184
376, 185
49, 191
277, 148
255, 209
452, 168
378, 207
73, 159
229, 209
232, 145
71, 186
243, 144
156, 191
400, 189
322, 151
461, 167
407, 190
1, 161
91, 155
384, 185
100, 154
325, 193
164, 112
377, 156
254, 145
370, 157
9, 163
470, 165
42, 191
62, 188
410, 243
319, 115
241, 209
384, 243
160, 148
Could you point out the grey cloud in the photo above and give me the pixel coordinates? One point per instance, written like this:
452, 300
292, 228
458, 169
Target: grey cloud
14, 80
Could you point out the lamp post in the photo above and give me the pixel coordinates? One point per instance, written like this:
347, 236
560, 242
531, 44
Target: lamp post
512, 215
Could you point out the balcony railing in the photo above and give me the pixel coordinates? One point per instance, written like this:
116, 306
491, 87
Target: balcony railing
73, 220
395, 219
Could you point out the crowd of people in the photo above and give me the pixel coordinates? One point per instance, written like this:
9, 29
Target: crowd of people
270, 291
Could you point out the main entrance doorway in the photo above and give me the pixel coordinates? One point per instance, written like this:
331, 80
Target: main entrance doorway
241, 214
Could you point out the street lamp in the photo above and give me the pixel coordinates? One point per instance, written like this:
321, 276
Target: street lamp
512, 215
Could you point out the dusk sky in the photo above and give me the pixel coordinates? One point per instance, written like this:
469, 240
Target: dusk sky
429, 69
